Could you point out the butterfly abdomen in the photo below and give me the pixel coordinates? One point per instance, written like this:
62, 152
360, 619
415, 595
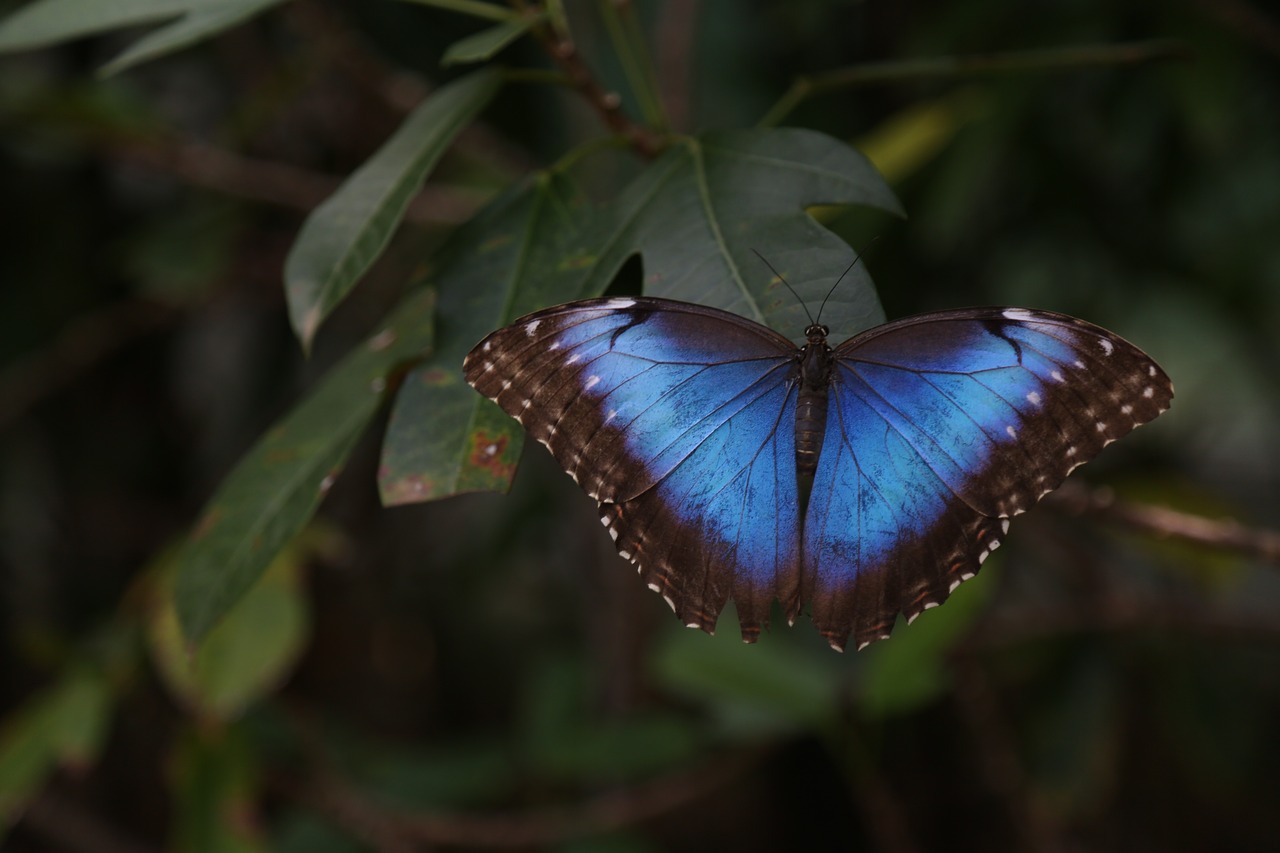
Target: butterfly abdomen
811, 408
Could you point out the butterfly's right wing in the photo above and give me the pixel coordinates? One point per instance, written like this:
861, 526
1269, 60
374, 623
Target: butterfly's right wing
680, 421
941, 428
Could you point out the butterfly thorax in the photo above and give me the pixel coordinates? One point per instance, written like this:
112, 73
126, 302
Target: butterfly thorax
811, 409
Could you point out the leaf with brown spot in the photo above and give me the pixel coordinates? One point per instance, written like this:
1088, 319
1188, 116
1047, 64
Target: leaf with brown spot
521, 240
489, 453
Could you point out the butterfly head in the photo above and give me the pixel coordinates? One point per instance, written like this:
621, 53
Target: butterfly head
817, 333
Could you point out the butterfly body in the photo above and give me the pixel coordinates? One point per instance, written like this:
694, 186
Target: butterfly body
868, 479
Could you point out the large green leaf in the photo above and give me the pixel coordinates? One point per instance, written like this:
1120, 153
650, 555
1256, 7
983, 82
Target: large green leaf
516, 256
786, 682
64, 725
698, 212
276, 488
344, 235
694, 216
913, 668
246, 654
51, 21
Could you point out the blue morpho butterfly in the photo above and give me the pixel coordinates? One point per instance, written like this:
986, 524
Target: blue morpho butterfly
869, 479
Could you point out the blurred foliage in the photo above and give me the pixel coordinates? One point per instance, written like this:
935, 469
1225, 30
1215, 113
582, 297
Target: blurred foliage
479, 671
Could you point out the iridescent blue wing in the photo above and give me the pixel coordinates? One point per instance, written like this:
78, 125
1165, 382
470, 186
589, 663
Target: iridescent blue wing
680, 421
940, 428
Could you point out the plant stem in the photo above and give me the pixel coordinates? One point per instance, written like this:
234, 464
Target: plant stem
973, 65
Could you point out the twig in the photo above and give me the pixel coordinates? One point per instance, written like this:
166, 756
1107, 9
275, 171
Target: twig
1223, 534
1247, 22
563, 51
674, 43
524, 829
951, 67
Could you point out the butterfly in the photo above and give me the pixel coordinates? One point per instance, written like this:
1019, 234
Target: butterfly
869, 479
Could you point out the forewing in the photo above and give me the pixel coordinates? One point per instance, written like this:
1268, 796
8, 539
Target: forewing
941, 428
679, 420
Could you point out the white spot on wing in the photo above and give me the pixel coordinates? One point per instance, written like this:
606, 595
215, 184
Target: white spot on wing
1017, 314
573, 359
626, 555
592, 381
1013, 433
531, 327
1057, 377
655, 587
1033, 398
621, 302
1107, 346
1148, 392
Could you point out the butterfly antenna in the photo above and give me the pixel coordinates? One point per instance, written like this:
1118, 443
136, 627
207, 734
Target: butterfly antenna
789, 287
857, 257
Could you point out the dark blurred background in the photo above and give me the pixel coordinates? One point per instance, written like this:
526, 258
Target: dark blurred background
485, 664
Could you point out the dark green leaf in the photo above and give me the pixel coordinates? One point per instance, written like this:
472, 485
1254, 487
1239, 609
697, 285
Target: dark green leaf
516, 256
62, 726
345, 234
910, 669
696, 214
246, 654
484, 44
276, 488
786, 681
51, 21
203, 21
214, 788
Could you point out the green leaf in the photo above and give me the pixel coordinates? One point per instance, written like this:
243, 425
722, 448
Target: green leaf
246, 654
276, 488
62, 726
204, 20
518, 255
215, 793
696, 214
475, 8
51, 21
782, 683
345, 234
484, 44
910, 669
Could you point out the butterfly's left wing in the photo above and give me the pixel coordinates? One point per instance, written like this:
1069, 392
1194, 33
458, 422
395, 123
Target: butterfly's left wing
680, 421
940, 428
